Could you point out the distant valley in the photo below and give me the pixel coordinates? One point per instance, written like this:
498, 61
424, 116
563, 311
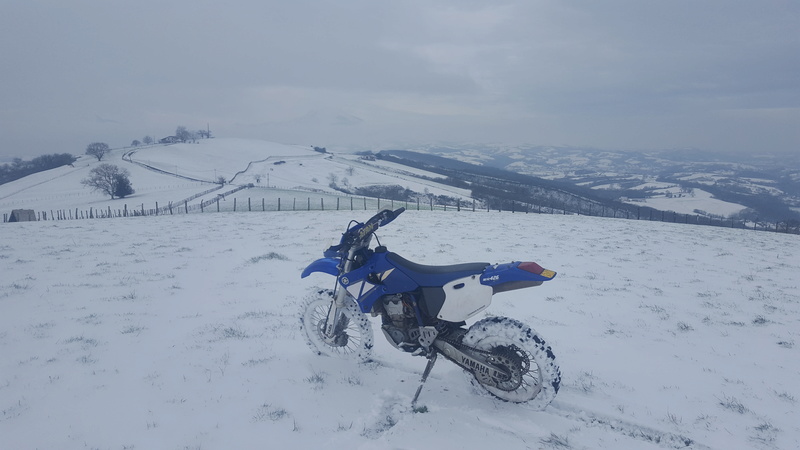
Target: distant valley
740, 186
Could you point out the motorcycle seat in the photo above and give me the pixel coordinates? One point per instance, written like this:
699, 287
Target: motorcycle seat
440, 273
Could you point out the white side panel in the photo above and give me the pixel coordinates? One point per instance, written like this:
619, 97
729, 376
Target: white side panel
464, 298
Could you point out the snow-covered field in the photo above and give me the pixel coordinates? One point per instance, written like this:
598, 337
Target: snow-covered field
672, 199
180, 332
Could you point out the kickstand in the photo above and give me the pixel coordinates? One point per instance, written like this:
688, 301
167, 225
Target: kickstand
428, 368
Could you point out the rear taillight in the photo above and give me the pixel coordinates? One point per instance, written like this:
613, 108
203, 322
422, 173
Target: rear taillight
531, 267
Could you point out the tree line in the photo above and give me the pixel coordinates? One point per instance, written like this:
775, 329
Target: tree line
20, 169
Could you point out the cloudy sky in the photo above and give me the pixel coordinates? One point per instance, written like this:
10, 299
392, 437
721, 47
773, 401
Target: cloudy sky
616, 74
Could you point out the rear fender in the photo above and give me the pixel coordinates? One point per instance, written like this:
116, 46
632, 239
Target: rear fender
515, 275
324, 265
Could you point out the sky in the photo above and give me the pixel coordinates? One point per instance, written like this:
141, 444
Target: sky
363, 74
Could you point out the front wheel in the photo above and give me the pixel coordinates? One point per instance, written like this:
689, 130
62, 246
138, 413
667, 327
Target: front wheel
534, 375
353, 333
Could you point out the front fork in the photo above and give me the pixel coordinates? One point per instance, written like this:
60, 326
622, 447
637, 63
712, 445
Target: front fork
332, 327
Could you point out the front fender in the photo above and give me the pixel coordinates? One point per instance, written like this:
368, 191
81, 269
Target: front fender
324, 265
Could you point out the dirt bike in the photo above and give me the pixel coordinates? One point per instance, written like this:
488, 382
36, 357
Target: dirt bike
423, 311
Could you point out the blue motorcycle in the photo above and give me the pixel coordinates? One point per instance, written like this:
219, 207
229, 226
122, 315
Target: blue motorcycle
424, 310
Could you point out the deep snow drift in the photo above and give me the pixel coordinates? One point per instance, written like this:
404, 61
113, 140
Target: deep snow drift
180, 332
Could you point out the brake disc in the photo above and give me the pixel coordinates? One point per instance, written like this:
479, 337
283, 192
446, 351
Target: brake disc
512, 359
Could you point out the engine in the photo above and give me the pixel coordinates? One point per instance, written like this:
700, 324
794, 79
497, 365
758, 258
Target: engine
400, 322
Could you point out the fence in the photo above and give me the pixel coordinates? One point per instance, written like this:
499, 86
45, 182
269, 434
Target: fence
235, 200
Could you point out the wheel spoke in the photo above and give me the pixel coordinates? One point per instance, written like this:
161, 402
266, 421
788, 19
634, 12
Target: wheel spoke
352, 337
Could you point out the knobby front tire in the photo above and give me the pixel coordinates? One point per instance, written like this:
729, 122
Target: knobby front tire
353, 341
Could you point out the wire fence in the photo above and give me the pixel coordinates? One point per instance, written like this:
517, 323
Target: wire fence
248, 198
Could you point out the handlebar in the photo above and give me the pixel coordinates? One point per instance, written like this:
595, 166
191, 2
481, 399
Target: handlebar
386, 216
360, 232
378, 220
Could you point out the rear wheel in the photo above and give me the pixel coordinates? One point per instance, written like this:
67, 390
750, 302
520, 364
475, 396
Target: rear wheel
534, 375
353, 334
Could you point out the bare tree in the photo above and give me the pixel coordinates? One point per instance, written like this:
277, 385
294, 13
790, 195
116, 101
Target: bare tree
110, 180
183, 134
97, 149
135, 143
147, 140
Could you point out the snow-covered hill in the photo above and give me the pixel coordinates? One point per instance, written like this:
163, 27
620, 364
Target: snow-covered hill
171, 173
181, 332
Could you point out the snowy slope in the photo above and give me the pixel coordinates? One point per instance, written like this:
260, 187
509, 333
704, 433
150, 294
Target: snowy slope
178, 168
181, 332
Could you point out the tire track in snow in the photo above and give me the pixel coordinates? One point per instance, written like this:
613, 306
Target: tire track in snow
639, 432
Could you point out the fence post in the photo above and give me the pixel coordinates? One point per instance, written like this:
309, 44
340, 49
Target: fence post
248, 205
263, 206
234, 204
322, 203
309, 204
279, 203
109, 211
156, 208
294, 204
142, 208
337, 203
351, 203
186, 206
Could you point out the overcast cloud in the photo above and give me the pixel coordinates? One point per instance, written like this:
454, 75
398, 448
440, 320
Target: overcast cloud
617, 74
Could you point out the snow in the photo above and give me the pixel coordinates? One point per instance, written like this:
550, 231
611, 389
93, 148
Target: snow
182, 332
239, 161
688, 203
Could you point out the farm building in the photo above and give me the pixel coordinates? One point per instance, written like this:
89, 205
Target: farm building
22, 215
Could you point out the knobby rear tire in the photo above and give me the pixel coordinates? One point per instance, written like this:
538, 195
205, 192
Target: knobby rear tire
541, 379
355, 341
